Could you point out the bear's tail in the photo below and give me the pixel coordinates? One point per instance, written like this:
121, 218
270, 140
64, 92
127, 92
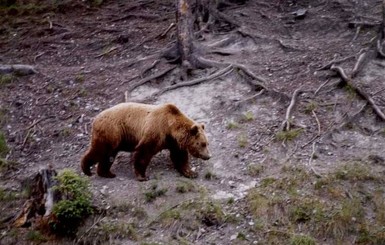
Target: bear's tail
87, 163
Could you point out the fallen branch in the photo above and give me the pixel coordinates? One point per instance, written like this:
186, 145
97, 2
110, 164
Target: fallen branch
286, 123
346, 81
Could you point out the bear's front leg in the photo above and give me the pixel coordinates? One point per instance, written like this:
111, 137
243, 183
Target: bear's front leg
180, 159
141, 161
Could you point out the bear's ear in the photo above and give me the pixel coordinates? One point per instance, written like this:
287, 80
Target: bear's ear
194, 130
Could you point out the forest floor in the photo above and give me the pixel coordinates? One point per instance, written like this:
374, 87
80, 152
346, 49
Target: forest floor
322, 181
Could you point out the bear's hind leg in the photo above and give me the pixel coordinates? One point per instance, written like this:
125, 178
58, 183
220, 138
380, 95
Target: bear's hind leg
104, 165
180, 160
87, 162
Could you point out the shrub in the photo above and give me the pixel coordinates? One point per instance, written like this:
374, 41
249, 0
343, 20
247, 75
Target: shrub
75, 204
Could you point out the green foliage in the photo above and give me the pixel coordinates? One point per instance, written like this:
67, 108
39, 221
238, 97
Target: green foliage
76, 203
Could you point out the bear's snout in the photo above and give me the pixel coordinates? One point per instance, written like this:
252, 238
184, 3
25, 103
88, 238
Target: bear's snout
207, 157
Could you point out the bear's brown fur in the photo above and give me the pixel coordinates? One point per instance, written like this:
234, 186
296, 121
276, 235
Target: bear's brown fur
145, 130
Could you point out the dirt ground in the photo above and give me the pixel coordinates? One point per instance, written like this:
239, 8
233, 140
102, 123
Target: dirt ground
87, 57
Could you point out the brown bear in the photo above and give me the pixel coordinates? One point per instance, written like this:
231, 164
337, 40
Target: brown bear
144, 130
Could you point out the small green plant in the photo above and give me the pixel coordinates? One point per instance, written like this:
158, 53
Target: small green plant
209, 175
154, 193
241, 236
302, 240
311, 106
8, 195
75, 204
288, 135
248, 116
232, 125
168, 217
35, 237
5, 79
211, 214
79, 78
185, 186
242, 140
112, 229
3, 146
354, 171
254, 169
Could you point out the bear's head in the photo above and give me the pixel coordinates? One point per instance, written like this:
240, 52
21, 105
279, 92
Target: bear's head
198, 143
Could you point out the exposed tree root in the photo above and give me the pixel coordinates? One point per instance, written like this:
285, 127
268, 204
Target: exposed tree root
347, 81
147, 79
336, 61
286, 123
195, 81
21, 70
